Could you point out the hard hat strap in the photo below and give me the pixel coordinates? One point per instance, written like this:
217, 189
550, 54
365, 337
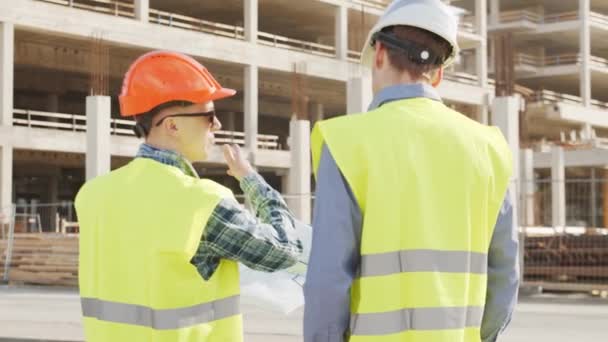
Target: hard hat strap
415, 52
140, 130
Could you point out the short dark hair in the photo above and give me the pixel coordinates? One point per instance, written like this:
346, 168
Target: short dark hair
426, 39
143, 122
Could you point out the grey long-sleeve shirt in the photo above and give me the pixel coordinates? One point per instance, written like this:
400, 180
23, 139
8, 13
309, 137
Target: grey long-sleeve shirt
335, 256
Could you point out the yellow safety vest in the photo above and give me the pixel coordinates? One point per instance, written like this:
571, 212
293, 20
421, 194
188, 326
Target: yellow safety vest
140, 227
429, 183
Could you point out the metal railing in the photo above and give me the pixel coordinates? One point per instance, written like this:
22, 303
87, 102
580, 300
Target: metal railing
573, 257
378, 4
111, 7
77, 123
237, 32
461, 77
537, 18
467, 24
556, 60
123, 9
520, 15
195, 24
296, 44
550, 97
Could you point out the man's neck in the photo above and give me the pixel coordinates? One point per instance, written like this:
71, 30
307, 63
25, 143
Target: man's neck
162, 145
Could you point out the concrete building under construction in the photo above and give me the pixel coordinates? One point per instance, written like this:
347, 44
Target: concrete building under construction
293, 63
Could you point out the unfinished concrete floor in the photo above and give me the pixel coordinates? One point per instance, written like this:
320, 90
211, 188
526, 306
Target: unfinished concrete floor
35, 314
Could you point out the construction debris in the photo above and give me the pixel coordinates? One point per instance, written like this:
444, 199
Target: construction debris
45, 259
573, 259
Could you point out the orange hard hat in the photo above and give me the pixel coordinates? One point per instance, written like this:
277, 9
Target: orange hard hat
162, 76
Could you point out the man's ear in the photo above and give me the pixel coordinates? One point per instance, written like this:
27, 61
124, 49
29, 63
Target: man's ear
170, 125
379, 55
437, 78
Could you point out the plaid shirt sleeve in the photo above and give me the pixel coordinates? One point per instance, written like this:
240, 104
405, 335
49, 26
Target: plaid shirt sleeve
266, 243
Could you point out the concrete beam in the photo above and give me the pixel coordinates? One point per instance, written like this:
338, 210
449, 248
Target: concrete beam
597, 157
468, 40
40, 16
7, 45
578, 114
40, 57
299, 190
558, 27
341, 32
355, 6
121, 146
98, 136
550, 71
558, 187
463, 93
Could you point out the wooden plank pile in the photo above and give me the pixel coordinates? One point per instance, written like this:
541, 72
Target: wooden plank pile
572, 259
45, 259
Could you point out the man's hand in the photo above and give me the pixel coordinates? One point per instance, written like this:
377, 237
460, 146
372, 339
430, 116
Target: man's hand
238, 166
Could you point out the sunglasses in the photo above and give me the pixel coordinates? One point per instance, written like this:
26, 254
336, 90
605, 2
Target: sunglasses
210, 115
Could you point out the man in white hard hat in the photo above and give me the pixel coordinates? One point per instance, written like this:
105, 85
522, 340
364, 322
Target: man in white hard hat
413, 239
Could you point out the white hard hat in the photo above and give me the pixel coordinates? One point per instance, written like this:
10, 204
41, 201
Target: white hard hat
430, 15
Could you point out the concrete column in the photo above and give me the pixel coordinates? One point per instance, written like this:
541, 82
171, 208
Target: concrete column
251, 109
505, 115
98, 136
558, 187
527, 187
593, 199
6, 182
33, 226
358, 94
319, 112
7, 65
481, 54
230, 125
298, 190
53, 197
341, 32
142, 10
494, 12
482, 114
52, 102
585, 50
605, 197
251, 20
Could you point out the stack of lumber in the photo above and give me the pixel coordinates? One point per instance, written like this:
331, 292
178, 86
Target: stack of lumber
45, 259
575, 259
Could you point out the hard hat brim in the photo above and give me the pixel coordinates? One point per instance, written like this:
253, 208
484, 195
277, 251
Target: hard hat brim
137, 105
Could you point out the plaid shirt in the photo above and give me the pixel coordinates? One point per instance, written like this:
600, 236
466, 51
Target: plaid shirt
268, 244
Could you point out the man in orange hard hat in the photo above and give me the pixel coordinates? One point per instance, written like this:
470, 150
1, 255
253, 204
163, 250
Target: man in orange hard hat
158, 245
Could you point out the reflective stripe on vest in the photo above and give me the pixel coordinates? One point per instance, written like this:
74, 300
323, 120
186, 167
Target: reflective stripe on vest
441, 318
423, 260
160, 319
